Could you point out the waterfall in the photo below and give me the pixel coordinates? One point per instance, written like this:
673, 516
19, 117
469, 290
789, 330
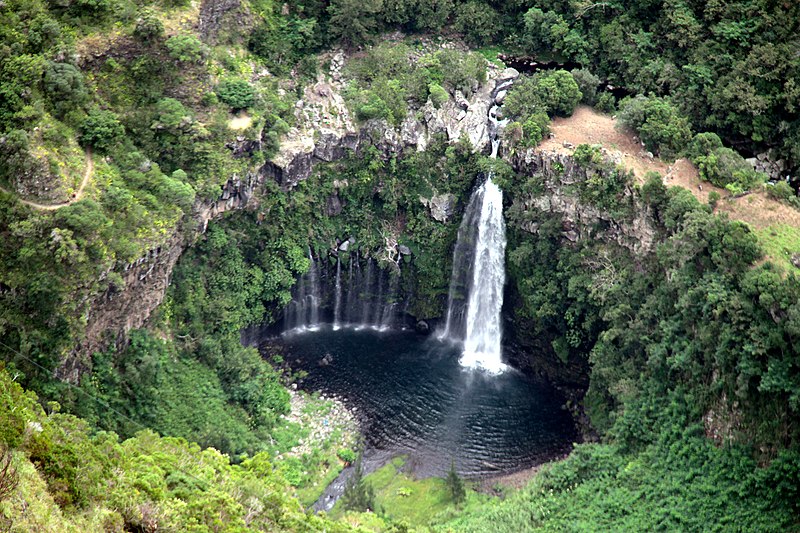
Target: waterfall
483, 332
368, 298
475, 298
302, 313
337, 306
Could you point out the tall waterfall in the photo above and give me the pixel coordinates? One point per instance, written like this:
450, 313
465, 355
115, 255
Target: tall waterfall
475, 299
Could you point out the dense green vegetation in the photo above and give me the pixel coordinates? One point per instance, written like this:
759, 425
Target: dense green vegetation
692, 347
86, 480
728, 66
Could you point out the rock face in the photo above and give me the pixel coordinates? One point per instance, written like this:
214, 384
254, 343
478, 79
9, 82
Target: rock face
326, 132
559, 173
119, 310
770, 164
442, 206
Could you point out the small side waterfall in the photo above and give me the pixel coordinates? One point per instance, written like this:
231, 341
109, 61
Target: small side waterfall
337, 306
302, 313
362, 296
475, 298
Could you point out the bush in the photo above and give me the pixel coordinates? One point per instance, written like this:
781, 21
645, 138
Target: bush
101, 130
782, 191
148, 28
587, 83
555, 93
559, 92
713, 199
703, 144
186, 48
661, 127
438, 95
606, 103
238, 94
724, 167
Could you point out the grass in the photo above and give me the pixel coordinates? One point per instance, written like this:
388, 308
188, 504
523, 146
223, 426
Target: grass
417, 502
780, 242
490, 53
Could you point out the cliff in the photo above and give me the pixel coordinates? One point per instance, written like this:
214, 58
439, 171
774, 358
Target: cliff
559, 179
324, 132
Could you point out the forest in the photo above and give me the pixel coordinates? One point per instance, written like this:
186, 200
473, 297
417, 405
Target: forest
123, 124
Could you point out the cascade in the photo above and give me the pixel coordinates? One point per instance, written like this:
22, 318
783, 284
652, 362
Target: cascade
337, 306
475, 298
302, 313
314, 297
366, 297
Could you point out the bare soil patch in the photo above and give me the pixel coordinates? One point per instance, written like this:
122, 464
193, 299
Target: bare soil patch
587, 126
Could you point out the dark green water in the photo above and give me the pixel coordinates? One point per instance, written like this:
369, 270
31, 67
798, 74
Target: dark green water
413, 397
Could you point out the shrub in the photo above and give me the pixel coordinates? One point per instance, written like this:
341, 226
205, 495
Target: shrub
606, 103
555, 93
148, 28
662, 129
347, 455
724, 167
782, 191
238, 94
703, 144
587, 83
713, 199
559, 92
101, 129
438, 95
186, 48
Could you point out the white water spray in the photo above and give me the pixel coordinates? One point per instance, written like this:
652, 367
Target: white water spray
475, 300
337, 306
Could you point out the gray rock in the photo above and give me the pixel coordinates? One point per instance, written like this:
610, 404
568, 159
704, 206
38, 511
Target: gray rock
422, 327
403, 249
344, 246
442, 206
333, 205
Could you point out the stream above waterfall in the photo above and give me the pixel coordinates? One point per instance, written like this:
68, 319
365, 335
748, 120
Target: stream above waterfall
413, 397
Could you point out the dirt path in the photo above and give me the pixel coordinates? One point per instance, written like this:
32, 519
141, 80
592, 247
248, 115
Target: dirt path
587, 126
87, 175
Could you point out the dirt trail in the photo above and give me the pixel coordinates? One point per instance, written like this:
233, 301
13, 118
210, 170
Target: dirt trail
77, 195
587, 126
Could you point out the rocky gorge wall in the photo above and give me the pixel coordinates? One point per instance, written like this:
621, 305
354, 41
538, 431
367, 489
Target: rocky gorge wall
559, 176
324, 132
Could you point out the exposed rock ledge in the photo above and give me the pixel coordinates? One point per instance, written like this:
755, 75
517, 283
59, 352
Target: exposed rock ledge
580, 220
324, 133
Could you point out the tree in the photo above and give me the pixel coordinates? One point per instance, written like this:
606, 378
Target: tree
353, 21
101, 129
358, 494
455, 485
478, 22
236, 93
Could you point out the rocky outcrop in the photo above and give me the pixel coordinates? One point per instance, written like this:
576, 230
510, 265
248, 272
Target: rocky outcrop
560, 174
770, 164
325, 130
120, 309
223, 16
